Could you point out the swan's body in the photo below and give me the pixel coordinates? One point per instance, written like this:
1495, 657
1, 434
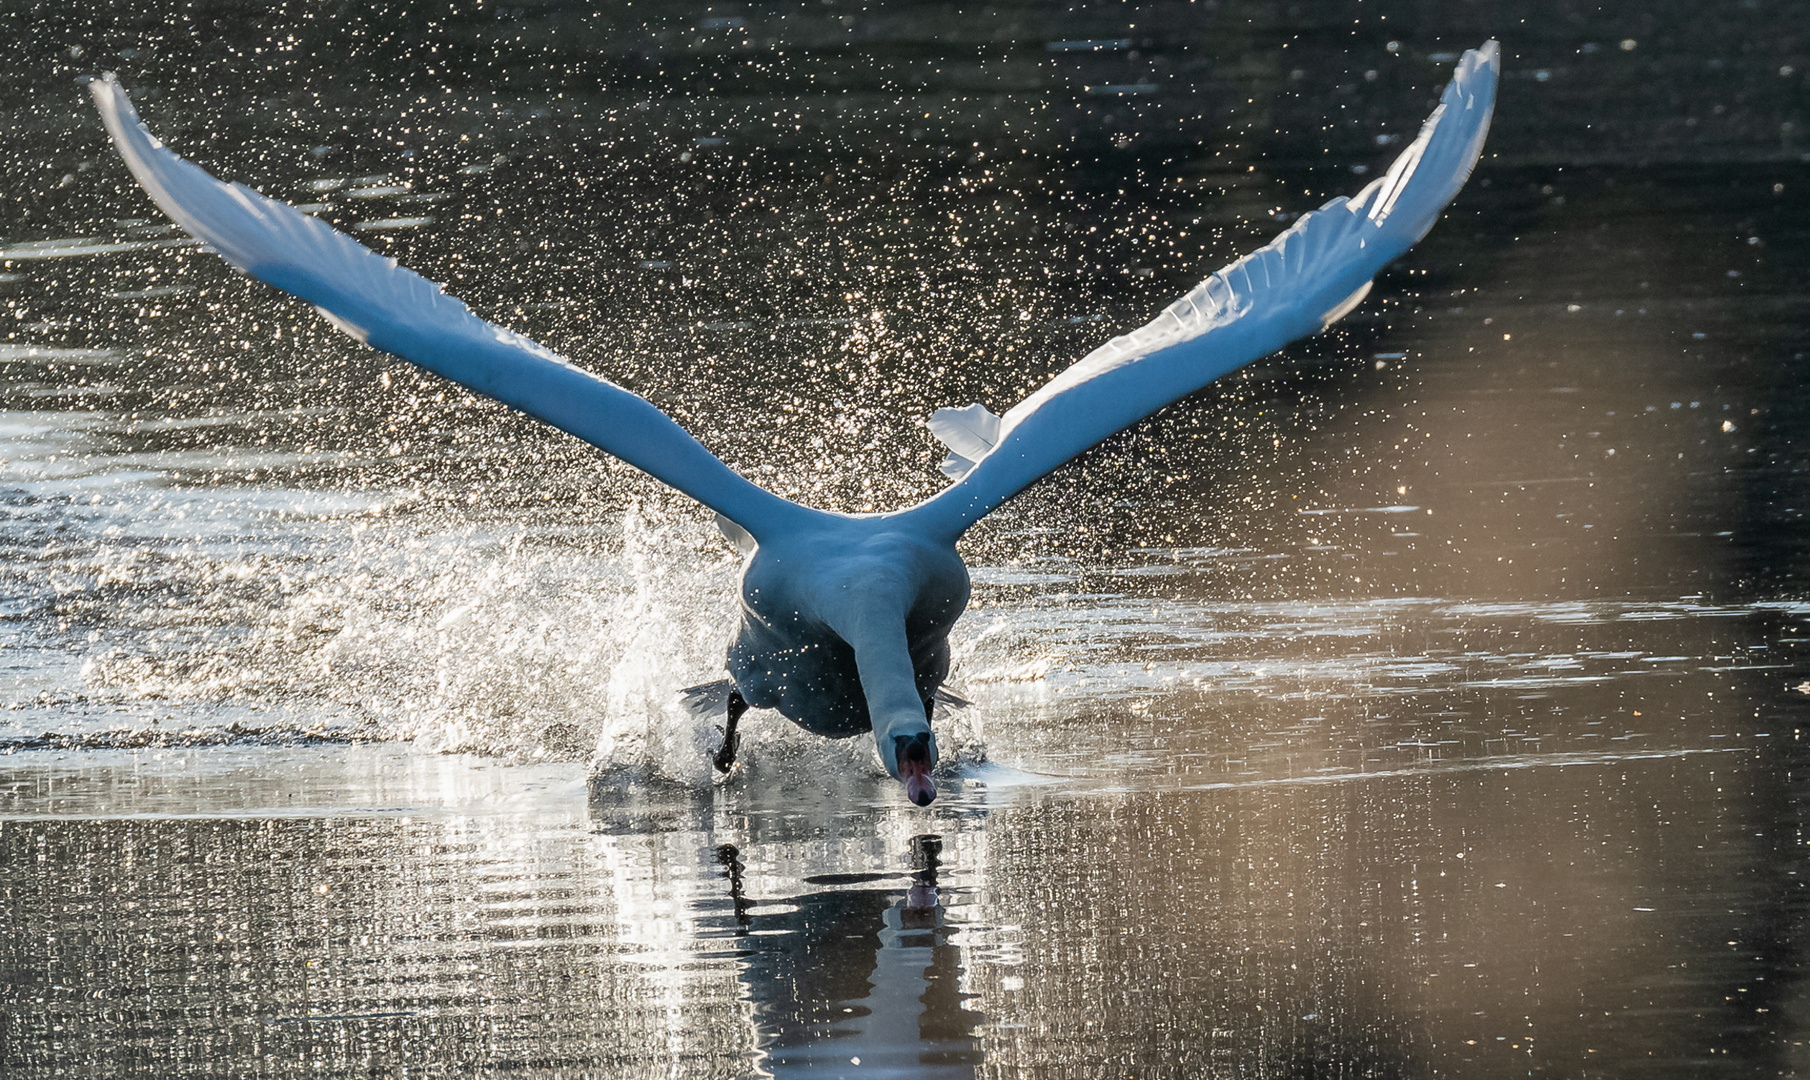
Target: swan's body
845, 619
828, 613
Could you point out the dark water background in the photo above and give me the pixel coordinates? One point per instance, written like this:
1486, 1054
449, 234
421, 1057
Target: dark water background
1423, 701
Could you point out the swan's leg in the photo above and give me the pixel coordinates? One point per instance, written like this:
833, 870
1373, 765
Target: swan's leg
725, 758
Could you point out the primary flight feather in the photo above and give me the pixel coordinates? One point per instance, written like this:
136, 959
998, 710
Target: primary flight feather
845, 619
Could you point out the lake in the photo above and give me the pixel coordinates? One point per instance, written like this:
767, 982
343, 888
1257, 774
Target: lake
1425, 700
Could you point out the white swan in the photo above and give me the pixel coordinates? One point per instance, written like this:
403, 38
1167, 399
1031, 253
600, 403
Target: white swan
845, 619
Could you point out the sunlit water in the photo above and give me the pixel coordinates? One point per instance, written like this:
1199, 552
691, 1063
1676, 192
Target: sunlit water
1425, 701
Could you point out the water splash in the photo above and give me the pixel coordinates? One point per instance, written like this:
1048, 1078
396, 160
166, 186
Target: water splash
675, 629
511, 627
526, 644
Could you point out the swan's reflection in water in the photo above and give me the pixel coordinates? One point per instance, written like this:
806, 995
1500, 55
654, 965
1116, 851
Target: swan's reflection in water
862, 976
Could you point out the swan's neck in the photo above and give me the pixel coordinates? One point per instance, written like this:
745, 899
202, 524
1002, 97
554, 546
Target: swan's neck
883, 660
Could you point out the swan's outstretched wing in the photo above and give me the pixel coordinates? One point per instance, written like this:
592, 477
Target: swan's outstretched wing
1302, 282
394, 309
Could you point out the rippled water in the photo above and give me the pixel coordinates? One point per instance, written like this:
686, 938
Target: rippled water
1423, 701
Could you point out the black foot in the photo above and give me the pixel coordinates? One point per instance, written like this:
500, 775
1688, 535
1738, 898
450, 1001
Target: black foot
724, 758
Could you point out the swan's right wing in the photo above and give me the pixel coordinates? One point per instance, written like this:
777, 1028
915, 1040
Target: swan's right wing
1297, 285
396, 310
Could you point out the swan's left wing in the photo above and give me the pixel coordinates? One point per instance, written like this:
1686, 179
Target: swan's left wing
1300, 283
394, 309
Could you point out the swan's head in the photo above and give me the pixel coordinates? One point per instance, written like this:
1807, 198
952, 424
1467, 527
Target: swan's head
909, 751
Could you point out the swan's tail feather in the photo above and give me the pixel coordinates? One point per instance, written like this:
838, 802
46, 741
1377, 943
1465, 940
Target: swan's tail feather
969, 432
707, 699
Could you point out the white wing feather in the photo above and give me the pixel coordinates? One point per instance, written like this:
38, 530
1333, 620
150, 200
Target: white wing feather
1301, 282
396, 310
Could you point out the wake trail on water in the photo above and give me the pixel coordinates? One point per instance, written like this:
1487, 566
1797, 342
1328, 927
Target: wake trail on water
526, 637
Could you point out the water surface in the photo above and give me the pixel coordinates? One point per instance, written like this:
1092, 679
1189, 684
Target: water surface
1425, 700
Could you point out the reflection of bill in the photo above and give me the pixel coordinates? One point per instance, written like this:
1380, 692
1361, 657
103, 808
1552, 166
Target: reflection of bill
855, 980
